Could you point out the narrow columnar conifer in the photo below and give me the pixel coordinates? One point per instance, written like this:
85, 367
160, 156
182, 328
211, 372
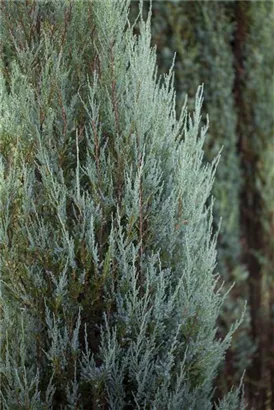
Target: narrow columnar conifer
202, 34
228, 46
109, 296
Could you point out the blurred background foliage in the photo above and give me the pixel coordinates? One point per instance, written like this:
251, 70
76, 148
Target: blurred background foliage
228, 46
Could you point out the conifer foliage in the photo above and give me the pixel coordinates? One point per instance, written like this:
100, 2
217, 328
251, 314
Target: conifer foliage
108, 290
228, 46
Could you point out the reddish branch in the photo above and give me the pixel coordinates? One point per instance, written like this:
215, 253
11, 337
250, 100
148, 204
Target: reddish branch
64, 115
113, 90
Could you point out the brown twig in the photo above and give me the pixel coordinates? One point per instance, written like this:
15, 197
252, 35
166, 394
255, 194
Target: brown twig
64, 115
113, 90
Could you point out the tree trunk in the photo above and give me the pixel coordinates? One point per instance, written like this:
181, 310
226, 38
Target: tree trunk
251, 228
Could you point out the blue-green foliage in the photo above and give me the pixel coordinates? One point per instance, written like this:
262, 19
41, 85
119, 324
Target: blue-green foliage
108, 290
202, 35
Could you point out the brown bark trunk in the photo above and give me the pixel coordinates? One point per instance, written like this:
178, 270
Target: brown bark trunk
251, 228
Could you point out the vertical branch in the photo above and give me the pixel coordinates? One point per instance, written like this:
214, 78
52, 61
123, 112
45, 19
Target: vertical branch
140, 160
64, 115
141, 212
67, 17
116, 114
113, 90
97, 151
97, 161
77, 168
